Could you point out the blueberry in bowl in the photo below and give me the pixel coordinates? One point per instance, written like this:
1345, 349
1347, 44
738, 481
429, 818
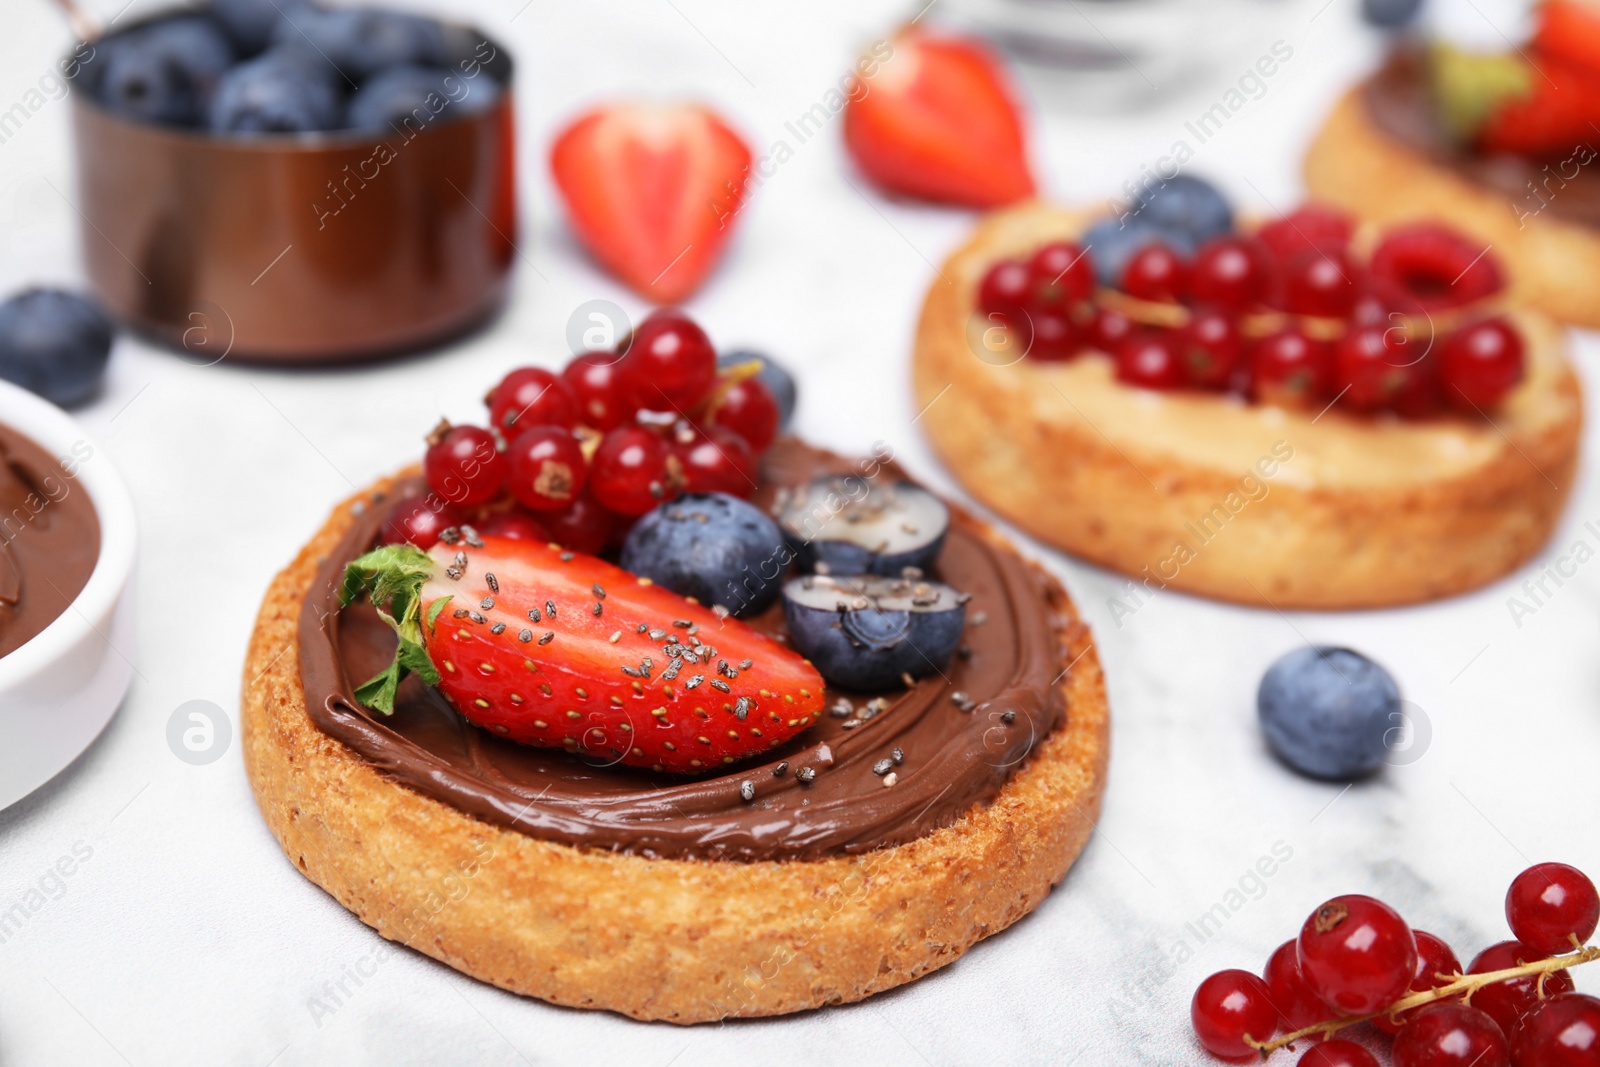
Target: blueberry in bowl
277, 92
167, 71
358, 42
713, 547
869, 633
1329, 712
849, 525
412, 94
55, 344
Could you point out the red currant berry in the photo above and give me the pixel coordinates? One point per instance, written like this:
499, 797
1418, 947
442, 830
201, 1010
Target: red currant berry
717, 461
1508, 1001
464, 466
547, 468
1549, 904
748, 409
1149, 360
1320, 283
584, 527
1434, 266
1434, 958
419, 521
1228, 273
1480, 363
1290, 369
1156, 272
1060, 275
1337, 1054
1370, 368
629, 472
531, 396
1357, 954
595, 386
669, 364
1055, 338
1211, 346
1295, 1001
1451, 1034
1110, 329
1564, 1031
1230, 1006
516, 525
1312, 226
1006, 288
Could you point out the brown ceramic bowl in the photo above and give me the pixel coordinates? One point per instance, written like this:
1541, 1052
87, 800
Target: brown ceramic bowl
302, 249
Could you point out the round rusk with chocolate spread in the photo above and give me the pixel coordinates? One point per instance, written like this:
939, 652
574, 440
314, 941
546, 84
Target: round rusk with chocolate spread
1382, 156
877, 846
1244, 502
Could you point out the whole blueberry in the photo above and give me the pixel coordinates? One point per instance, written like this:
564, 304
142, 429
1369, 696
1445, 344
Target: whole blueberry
250, 24
54, 343
713, 547
360, 41
1327, 712
1188, 205
1390, 13
277, 92
1112, 242
165, 71
773, 375
411, 97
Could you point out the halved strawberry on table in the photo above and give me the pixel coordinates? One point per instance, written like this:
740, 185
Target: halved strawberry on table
563, 650
653, 191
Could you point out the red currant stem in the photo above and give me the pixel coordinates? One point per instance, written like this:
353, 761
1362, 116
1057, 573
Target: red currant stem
1460, 985
727, 378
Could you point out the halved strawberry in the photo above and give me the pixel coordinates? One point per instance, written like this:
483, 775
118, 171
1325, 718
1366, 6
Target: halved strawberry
1505, 103
938, 121
564, 650
653, 191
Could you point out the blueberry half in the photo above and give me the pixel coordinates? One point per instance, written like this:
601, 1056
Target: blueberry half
1328, 712
850, 525
277, 92
867, 632
773, 375
713, 547
54, 343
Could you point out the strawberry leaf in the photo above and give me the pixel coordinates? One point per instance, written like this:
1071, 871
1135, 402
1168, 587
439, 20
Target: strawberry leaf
391, 577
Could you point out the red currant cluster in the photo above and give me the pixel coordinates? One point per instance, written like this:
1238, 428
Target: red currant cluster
1356, 960
1286, 315
576, 457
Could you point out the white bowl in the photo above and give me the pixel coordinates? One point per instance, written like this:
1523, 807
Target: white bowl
58, 691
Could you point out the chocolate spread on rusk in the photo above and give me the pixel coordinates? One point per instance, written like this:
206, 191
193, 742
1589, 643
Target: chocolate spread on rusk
49, 540
950, 759
1400, 102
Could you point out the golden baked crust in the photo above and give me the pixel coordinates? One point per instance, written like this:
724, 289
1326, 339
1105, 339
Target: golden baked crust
1367, 513
1553, 263
676, 940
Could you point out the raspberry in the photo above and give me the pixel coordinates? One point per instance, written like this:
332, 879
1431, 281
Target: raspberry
1435, 266
1311, 227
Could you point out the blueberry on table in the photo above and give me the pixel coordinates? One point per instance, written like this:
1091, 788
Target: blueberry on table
779, 382
1187, 205
1327, 712
54, 343
411, 97
849, 525
713, 547
867, 633
250, 24
360, 41
166, 71
1390, 13
1112, 242
277, 92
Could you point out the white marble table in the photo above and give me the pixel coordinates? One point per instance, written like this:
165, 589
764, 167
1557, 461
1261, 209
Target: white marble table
185, 937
